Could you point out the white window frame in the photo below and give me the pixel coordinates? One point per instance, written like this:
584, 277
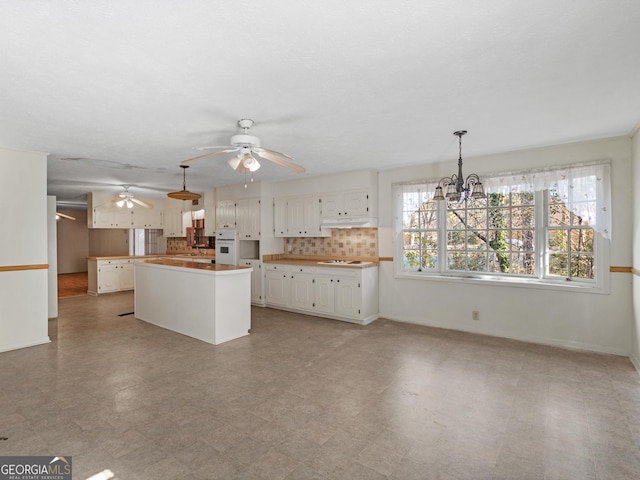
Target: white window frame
601, 247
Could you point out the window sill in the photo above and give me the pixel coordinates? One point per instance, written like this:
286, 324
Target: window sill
517, 282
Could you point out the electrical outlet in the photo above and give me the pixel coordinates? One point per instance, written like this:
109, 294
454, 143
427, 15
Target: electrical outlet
475, 315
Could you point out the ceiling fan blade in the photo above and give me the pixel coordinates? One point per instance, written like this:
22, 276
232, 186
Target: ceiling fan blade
212, 147
277, 157
62, 215
229, 150
141, 202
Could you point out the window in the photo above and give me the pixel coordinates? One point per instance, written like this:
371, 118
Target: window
541, 226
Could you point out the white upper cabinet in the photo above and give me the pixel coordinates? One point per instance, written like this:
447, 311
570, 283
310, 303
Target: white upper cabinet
279, 217
225, 214
297, 217
353, 203
210, 214
172, 223
147, 217
102, 212
248, 215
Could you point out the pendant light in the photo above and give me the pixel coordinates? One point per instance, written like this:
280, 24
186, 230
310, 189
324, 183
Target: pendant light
184, 194
458, 188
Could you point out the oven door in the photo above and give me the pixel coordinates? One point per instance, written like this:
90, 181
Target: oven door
226, 252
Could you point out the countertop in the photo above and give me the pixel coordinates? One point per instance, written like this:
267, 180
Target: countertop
312, 261
163, 255
212, 267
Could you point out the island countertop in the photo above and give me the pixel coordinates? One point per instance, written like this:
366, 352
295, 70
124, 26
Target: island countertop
212, 267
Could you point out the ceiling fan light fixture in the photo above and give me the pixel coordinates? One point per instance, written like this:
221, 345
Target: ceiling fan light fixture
184, 194
250, 163
120, 203
234, 162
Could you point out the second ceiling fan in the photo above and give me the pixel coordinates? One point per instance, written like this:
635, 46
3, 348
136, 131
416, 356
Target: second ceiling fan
246, 148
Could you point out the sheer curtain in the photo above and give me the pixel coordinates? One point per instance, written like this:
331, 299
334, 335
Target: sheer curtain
585, 189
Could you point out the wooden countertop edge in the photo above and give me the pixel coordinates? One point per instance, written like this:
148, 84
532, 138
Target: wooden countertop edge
164, 255
18, 268
210, 267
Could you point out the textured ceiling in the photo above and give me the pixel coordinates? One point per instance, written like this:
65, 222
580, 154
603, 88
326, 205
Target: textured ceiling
120, 92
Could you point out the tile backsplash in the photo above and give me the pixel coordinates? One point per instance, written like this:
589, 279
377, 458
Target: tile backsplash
349, 242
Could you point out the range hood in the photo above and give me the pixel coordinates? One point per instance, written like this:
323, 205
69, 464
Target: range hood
349, 222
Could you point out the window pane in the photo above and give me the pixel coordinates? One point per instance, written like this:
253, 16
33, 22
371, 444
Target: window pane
523, 263
457, 261
558, 264
456, 240
477, 262
582, 266
499, 262
582, 240
558, 213
522, 198
558, 240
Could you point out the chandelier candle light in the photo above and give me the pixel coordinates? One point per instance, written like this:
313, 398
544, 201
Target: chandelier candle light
459, 189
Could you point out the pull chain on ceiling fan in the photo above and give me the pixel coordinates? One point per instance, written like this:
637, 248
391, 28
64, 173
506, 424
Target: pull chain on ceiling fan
247, 146
184, 194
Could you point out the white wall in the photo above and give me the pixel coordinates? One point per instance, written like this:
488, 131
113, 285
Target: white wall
635, 169
23, 243
52, 256
592, 321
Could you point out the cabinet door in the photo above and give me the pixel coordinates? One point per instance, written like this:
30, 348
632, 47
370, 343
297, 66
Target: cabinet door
277, 288
348, 294
332, 205
248, 218
311, 215
295, 217
172, 222
112, 216
301, 286
256, 279
209, 214
126, 275
146, 217
108, 277
225, 214
353, 203
356, 203
324, 294
280, 217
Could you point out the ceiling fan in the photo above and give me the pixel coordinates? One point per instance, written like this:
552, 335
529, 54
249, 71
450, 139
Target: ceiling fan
247, 147
126, 199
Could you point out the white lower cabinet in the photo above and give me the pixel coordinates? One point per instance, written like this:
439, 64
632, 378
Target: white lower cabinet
276, 285
256, 279
349, 294
105, 276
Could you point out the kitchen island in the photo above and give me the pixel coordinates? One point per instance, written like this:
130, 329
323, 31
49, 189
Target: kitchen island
205, 301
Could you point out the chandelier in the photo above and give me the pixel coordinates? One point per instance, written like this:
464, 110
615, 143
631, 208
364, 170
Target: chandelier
458, 188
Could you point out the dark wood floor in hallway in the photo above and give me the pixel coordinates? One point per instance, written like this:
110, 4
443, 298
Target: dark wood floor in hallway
72, 284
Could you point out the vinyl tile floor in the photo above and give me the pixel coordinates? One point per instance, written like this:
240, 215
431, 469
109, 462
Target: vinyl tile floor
310, 398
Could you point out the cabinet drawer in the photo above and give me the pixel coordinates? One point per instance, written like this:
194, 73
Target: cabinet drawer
278, 268
303, 269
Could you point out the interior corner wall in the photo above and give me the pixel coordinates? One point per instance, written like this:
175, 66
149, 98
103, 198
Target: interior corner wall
635, 174
584, 320
23, 249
